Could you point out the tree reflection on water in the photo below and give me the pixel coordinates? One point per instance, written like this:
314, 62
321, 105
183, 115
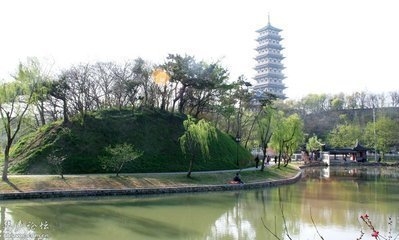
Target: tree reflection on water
335, 198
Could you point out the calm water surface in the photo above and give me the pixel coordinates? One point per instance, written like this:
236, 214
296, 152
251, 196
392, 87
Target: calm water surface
334, 198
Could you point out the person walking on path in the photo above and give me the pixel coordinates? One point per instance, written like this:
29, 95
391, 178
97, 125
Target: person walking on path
257, 161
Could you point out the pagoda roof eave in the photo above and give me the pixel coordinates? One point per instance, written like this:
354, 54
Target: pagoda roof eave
270, 65
274, 75
268, 84
269, 36
269, 46
270, 55
268, 27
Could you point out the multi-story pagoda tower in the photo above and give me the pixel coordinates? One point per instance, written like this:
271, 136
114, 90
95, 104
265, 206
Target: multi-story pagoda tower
269, 77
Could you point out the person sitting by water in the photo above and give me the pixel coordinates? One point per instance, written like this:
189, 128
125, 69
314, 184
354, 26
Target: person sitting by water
238, 179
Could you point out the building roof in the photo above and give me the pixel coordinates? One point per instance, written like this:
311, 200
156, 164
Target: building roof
270, 55
269, 27
270, 45
276, 86
269, 65
347, 150
359, 147
270, 36
269, 74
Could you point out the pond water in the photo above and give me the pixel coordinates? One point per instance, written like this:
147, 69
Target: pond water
327, 200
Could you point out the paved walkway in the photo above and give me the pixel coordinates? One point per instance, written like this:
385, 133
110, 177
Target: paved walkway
138, 174
147, 191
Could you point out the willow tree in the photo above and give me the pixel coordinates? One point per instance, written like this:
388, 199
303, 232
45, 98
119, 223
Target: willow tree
195, 141
15, 99
287, 136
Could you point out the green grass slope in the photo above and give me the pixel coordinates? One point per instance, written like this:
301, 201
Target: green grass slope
153, 132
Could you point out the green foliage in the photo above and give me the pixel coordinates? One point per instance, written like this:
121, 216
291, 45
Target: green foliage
314, 144
386, 134
337, 103
118, 155
344, 135
15, 98
200, 82
196, 139
314, 103
156, 133
266, 125
287, 136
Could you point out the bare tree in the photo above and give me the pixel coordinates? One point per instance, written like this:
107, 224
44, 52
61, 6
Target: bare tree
57, 163
79, 81
59, 92
394, 98
142, 73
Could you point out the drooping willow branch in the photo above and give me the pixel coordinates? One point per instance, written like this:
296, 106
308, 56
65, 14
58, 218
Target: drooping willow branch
268, 229
314, 224
282, 215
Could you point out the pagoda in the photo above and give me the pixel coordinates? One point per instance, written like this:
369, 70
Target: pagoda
269, 77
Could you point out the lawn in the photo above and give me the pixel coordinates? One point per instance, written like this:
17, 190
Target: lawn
27, 183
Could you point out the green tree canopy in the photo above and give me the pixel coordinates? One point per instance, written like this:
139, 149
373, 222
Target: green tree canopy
287, 136
386, 134
344, 135
15, 99
267, 122
314, 144
195, 140
118, 156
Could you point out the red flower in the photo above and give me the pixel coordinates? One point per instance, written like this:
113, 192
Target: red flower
375, 234
365, 216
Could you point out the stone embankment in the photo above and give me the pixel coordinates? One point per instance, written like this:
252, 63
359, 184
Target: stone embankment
351, 163
146, 191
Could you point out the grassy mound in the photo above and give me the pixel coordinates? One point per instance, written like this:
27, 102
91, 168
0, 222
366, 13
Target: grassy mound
155, 133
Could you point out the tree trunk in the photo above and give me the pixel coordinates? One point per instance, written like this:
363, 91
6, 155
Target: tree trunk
65, 110
163, 99
279, 159
190, 168
262, 168
6, 162
181, 98
251, 128
287, 162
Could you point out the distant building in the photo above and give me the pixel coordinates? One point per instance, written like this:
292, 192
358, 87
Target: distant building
269, 77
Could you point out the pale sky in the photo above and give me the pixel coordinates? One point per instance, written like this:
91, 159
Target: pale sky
330, 46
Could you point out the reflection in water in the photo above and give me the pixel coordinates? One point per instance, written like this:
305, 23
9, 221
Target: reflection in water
335, 201
325, 172
11, 229
232, 225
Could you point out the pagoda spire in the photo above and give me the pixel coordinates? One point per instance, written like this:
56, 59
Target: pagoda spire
268, 18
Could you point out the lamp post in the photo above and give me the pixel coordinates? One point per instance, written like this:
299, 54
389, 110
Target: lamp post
238, 140
375, 138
